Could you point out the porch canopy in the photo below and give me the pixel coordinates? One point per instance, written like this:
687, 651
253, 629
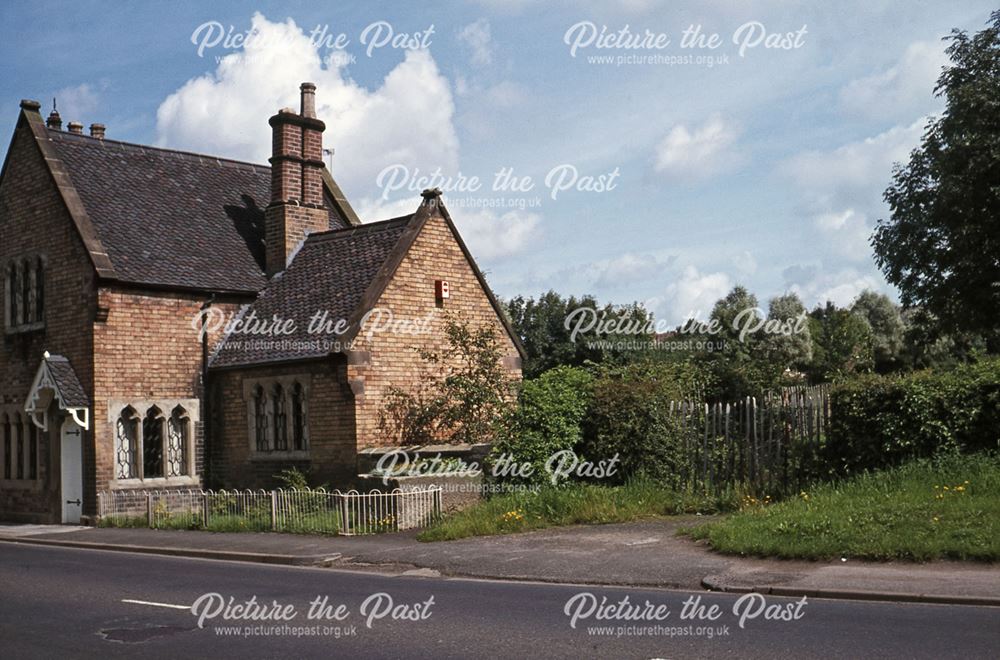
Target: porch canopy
57, 381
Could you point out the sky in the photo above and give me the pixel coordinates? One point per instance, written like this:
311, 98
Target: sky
643, 150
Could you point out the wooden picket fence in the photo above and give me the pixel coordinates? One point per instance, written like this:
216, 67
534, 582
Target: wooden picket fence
767, 444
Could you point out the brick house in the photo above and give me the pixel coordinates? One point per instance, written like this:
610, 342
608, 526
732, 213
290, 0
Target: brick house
121, 261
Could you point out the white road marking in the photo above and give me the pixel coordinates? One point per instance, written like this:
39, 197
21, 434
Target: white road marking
146, 602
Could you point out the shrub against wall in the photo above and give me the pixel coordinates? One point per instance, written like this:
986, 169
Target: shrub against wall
630, 416
877, 421
548, 419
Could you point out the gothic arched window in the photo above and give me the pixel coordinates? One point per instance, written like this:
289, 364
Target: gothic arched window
7, 449
299, 441
32, 450
126, 443
19, 429
152, 444
13, 294
39, 291
280, 418
260, 419
177, 443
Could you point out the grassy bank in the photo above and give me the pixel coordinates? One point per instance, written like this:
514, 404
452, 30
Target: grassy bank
930, 509
570, 505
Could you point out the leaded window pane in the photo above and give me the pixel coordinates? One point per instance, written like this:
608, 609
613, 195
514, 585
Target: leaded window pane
39, 291
177, 442
260, 419
14, 289
125, 444
280, 419
298, 418
25, 293
20, 446
152, 444
32, 450
6, 447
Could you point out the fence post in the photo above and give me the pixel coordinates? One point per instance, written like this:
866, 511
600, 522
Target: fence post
204, 509
149, 509
274, 510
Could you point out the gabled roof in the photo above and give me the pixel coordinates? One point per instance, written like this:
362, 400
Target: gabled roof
343, 272
166, 218
56, 380
332, 271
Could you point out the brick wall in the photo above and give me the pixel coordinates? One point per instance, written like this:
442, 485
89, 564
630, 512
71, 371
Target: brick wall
394, 358
146, 351
332, 451
34, 221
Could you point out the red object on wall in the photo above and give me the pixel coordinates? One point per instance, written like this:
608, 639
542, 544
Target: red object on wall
441, 289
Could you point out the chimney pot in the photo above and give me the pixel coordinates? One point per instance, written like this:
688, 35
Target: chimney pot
75, 127
308, 90
54, 122
97, 131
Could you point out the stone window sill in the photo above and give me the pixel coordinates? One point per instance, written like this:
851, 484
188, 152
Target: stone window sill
279, 455
155, 482
27, 327
21, 484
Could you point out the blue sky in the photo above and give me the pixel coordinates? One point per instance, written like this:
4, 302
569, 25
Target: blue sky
764, 169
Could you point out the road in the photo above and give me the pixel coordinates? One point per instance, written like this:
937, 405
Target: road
73, 603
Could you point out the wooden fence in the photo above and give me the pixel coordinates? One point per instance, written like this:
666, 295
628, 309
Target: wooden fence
768, 444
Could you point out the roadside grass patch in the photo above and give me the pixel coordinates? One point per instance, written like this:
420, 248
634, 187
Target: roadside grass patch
573, 504
947, 507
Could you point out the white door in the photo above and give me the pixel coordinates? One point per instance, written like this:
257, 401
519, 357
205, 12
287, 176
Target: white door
72, 471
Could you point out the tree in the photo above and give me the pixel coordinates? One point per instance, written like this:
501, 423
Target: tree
464, 396
927, 345
548, 338
941, 245
741, 367
792, 350
886, 323
841, 343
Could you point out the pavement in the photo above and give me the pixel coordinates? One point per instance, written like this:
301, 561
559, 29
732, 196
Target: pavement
640, 554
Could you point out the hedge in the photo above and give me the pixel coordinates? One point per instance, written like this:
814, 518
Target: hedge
880, 421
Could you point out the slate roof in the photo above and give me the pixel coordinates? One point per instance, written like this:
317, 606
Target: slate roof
331, 273
172, 218
70, 389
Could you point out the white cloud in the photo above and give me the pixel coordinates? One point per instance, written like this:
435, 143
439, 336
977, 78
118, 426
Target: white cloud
841, 189
629, 268
847, 233
855, 174
476, 36
904, 90
78, 101
488, 234
745, 262
699, 152
407, 120
815, 285
692, 294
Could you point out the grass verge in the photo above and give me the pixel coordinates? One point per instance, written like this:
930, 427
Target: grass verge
570, 505
943, 508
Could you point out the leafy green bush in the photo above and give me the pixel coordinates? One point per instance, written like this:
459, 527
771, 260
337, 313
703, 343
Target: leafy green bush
630, 416
879, 421
550, 411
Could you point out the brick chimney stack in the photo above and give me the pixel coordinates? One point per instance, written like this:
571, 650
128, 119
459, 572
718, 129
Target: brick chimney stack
97, 131
296, 209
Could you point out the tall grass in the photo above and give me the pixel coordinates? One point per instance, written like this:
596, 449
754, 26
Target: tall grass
946, 507
574, 504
